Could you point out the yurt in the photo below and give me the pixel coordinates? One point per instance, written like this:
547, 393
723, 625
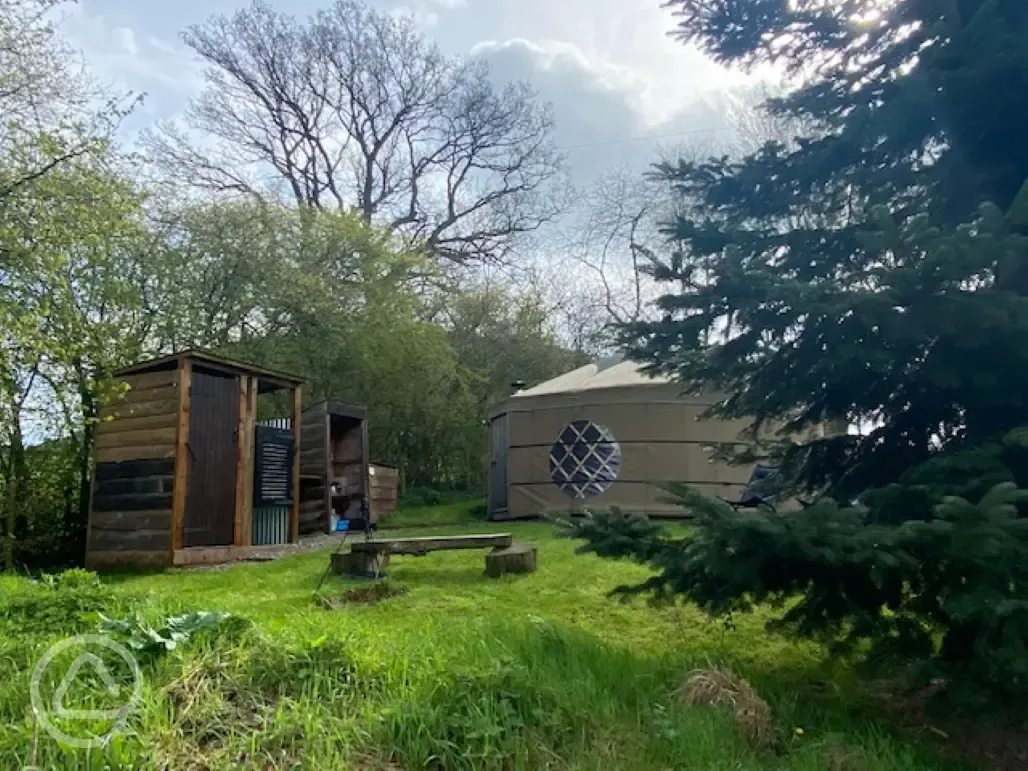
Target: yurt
602, 435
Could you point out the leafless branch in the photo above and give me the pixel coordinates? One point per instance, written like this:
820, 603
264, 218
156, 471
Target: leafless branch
355, 109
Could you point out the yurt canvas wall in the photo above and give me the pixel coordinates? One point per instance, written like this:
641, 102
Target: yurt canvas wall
658, 433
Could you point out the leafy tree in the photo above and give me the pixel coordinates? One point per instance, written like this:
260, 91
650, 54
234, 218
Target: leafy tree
60, 206
323, 294
50, 110
502, 336
71, 295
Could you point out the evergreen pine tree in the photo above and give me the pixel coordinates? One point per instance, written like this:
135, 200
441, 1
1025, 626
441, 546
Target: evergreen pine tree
874, 270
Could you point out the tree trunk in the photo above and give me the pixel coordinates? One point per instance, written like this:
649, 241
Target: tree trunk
17, 472
518, 558
87, 400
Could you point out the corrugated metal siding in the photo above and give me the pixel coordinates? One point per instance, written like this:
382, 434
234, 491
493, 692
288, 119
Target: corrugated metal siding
270, 526
271, 523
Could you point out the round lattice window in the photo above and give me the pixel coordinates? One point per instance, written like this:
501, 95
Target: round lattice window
585, 459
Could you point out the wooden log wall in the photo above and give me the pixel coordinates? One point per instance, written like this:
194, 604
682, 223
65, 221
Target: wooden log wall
313, 507
314, 502
383, 482
130, 519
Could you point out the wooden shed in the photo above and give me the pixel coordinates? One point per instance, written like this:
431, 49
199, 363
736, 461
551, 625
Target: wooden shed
384, 488
182, 467
333, 465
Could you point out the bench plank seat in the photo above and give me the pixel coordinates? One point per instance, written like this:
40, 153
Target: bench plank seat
418, 546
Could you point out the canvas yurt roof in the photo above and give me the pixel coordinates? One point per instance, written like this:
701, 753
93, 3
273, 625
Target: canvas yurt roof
612, 372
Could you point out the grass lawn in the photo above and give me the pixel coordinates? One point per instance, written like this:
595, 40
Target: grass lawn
459, 672
455, 513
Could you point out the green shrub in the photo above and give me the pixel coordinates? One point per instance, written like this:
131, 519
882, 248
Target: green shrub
65, 603
932, 570
49, 532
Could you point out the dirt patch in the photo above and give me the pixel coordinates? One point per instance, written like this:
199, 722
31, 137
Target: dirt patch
360, 595
1002, 748
306, 543
994, 743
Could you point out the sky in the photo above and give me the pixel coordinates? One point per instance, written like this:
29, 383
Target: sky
619, 86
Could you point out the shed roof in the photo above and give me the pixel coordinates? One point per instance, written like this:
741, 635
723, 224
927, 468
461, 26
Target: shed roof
283, 379
338, 408
612, 372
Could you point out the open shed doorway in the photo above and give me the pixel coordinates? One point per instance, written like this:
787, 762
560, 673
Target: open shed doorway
334, 467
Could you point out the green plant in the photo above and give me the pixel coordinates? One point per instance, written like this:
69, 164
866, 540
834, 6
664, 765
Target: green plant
61, 603
73, 578
172, 632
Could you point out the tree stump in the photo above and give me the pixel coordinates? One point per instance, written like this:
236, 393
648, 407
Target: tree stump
519, 558
355, 563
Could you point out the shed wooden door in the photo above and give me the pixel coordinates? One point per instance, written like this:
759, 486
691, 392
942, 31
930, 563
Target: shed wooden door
498, 465
209, 516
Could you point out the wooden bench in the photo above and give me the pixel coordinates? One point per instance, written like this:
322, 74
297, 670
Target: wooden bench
370, 557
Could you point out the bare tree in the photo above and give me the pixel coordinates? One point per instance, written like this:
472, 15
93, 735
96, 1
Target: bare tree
617, 228
610, 236
355, 109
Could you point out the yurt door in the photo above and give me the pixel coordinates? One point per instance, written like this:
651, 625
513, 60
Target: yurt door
209, 515
498, 465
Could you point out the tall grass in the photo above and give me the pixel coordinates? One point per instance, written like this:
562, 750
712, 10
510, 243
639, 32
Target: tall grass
460, 672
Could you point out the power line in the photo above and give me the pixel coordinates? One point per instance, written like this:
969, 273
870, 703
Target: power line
651, 137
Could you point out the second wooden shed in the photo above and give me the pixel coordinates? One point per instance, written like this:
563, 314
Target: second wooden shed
333, 465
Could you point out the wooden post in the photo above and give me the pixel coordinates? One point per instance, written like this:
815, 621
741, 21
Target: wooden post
244, 403
294, 512
366, 463
178, 497
358, 563
326, 466
251, 449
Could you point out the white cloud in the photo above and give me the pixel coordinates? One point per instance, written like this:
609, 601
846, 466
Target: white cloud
602, 114
425, 13
126, 40
117, 55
